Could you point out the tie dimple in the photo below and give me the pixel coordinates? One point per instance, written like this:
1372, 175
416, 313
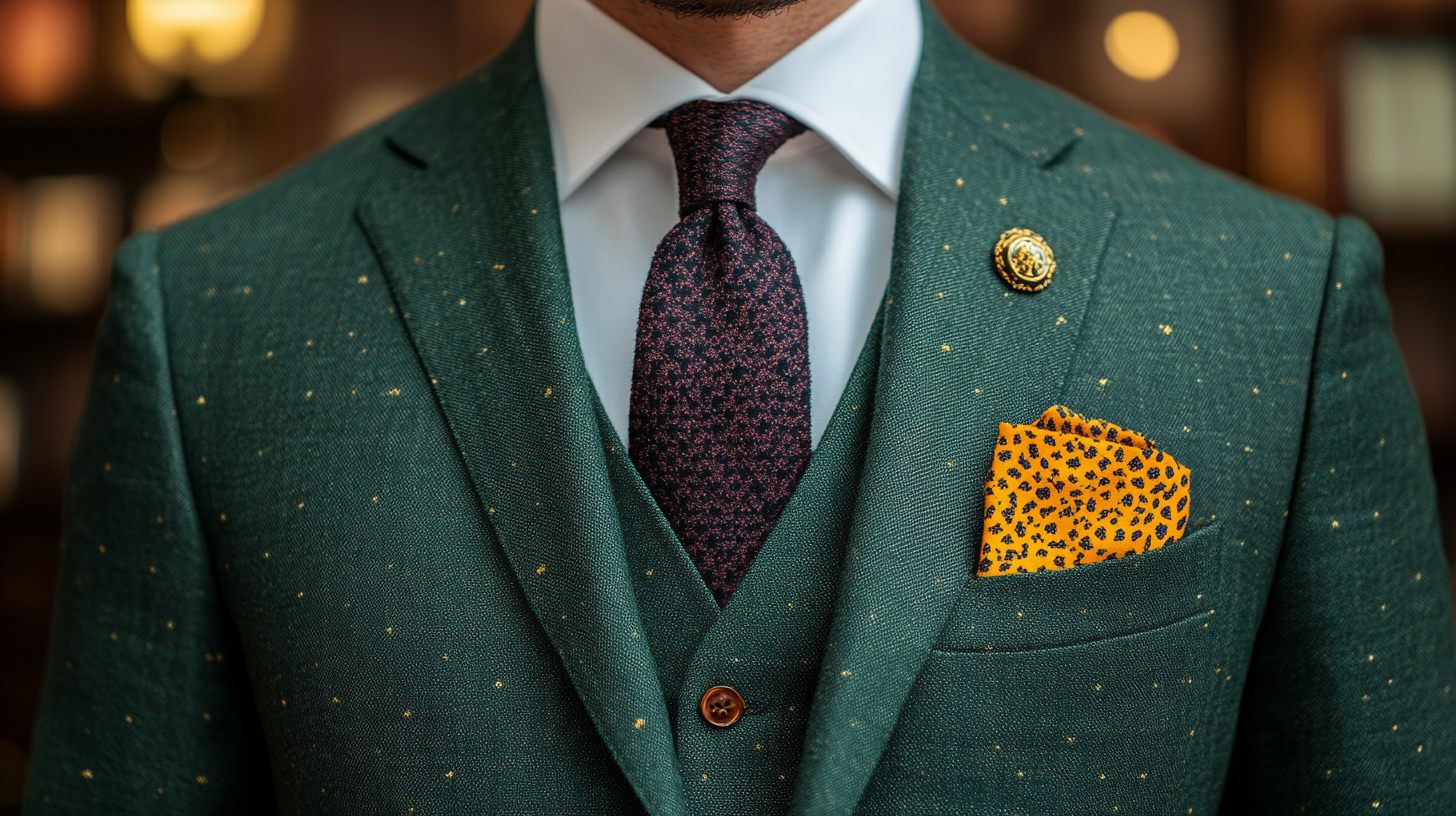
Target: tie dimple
719, 420
720, 147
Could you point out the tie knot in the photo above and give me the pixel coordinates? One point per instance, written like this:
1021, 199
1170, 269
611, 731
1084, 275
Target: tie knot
719, 147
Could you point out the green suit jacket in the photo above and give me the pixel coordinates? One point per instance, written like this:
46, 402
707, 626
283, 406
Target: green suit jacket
341, 536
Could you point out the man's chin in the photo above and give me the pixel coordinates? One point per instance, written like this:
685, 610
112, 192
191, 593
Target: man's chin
715, 9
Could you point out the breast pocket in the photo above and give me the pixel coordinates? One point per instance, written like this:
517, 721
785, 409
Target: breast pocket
1107, 681
1110, 599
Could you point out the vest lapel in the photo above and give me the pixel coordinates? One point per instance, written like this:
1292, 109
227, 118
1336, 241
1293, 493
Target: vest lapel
961, 353
471, 246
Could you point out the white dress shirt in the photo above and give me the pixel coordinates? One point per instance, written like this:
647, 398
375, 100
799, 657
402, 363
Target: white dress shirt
830, 193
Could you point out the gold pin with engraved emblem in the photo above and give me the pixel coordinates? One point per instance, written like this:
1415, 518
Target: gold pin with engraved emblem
1024, 260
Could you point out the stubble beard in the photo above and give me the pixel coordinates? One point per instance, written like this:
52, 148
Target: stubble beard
721, 9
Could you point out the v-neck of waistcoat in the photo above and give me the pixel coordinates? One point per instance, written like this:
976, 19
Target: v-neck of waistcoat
676, 605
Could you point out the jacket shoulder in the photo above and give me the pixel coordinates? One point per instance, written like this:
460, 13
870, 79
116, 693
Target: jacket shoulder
1076, 142
315, 199
1145, 173
1162, 194
312, 205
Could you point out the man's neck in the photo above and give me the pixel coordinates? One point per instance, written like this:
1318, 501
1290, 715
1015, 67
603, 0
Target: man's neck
724, 52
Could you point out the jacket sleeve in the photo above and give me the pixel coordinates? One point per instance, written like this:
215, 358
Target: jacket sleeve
1349, 703
146, 706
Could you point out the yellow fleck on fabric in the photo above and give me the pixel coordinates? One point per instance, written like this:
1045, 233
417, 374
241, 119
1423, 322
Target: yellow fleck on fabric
1068, 490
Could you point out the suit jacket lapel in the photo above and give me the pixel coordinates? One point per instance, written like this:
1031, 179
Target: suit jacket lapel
961, 353
470, 243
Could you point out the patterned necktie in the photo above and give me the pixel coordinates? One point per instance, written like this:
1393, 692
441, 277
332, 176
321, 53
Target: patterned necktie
719, 423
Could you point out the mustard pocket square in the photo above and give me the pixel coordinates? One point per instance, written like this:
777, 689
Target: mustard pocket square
1067, 491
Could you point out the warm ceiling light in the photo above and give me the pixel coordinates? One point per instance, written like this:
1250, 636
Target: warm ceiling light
178, 34
45, 49
1142, 45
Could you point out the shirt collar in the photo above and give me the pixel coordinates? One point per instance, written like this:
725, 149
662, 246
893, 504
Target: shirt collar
850, 83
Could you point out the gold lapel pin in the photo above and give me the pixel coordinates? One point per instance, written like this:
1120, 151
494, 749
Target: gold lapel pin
1024, 260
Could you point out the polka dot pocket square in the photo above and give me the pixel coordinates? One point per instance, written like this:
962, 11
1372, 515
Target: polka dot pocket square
1067, 491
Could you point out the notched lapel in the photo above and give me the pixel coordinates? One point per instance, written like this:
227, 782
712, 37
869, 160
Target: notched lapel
962, 353
472, 250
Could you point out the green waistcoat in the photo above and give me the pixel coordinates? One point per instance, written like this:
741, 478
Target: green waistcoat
769, 640
342, 534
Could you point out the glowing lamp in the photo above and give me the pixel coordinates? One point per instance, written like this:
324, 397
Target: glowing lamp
189, 35
1142, 45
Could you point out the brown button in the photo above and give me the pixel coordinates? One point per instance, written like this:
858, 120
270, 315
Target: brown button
721, 706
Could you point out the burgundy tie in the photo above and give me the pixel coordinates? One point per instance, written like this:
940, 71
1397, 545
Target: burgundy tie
719, 424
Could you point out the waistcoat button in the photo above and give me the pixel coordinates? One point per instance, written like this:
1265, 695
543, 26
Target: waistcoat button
721, 706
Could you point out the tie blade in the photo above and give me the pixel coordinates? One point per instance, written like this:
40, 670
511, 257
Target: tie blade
719, 421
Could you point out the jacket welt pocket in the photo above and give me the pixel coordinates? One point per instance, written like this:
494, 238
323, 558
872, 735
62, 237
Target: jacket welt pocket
1042, 610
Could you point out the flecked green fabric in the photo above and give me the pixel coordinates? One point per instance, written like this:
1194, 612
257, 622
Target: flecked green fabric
342, 536
769, 641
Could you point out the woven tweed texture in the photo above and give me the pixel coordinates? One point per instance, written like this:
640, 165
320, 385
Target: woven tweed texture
719, 422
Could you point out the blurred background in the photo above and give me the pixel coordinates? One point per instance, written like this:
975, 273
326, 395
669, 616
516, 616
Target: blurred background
120, 115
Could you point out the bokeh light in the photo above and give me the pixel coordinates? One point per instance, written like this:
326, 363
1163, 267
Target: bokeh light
1142, 45
68, 227
45, 50
190, 35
